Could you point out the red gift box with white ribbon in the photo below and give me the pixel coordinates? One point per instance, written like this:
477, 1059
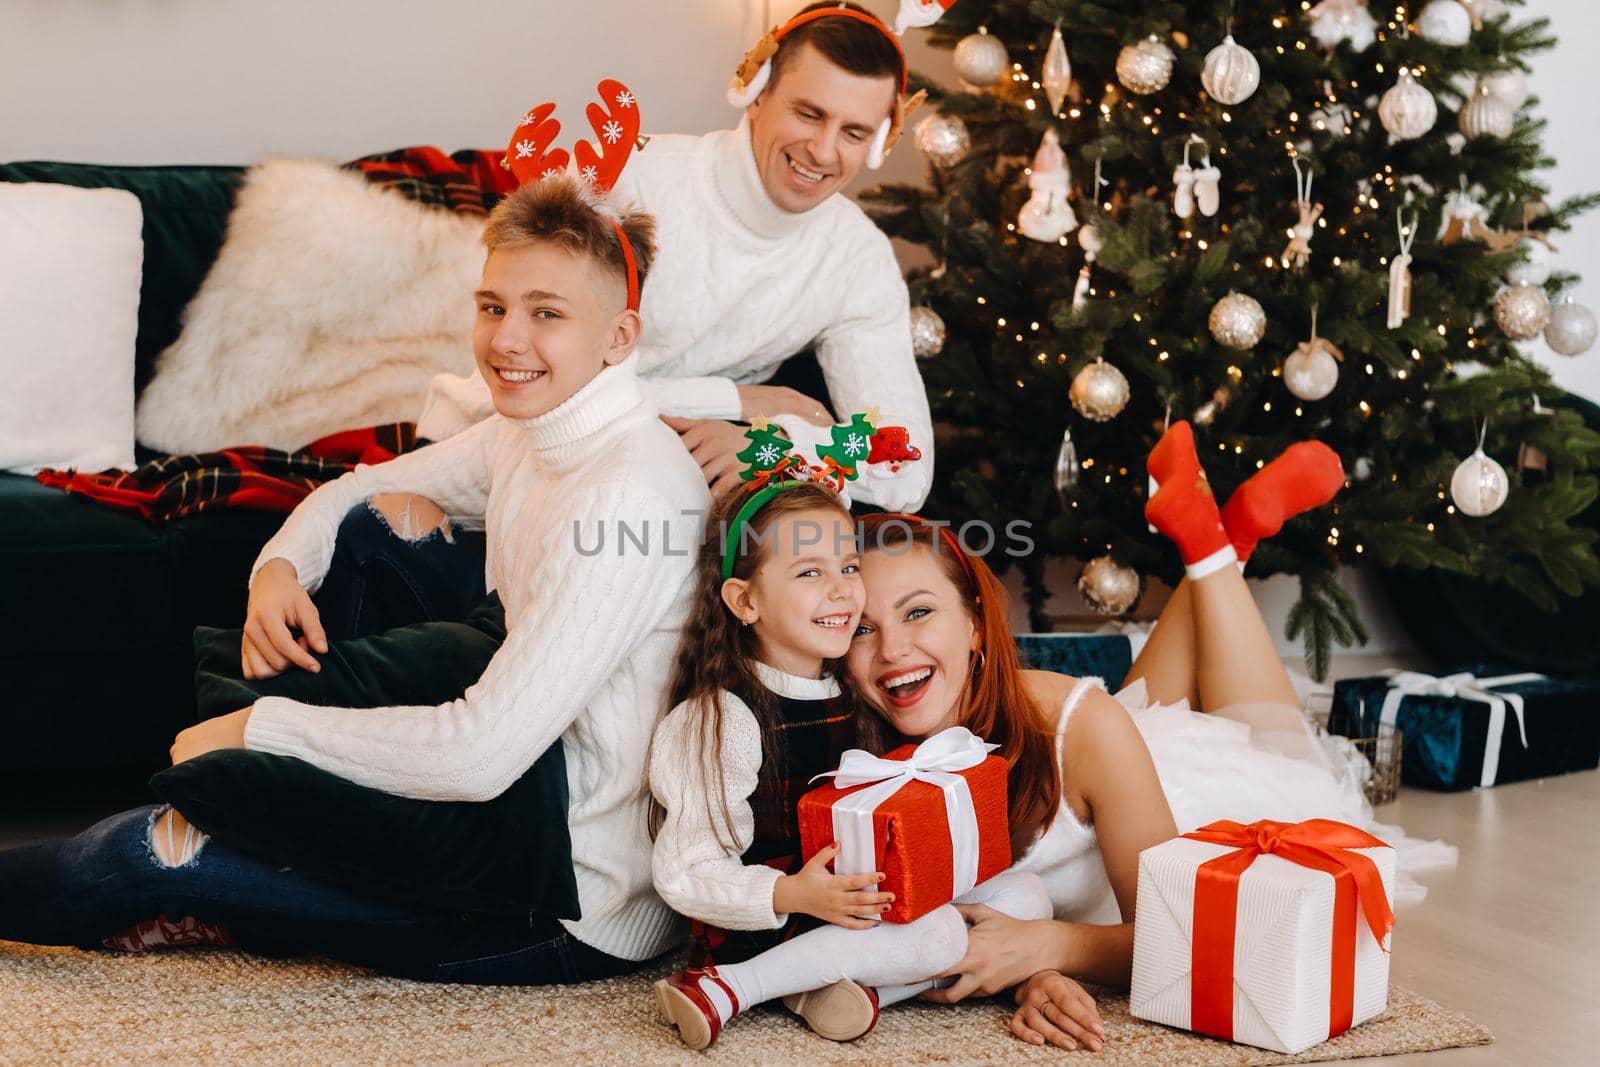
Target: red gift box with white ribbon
931, 817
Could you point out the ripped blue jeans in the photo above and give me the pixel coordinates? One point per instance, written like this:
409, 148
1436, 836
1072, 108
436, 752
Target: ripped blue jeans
80, 890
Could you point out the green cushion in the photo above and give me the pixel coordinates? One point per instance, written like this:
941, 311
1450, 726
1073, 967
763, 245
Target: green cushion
509, 855
185, 217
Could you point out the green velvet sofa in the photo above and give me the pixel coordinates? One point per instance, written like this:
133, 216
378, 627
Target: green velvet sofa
95, 659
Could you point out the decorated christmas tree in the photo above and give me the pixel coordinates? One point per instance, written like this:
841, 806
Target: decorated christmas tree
1281, 222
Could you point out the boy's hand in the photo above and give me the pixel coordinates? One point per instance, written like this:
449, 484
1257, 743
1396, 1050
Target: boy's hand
772, 400
715, 445
278, 607
843, 899
1052, 1007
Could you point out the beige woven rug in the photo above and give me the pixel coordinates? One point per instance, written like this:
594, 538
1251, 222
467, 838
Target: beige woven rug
62, 1006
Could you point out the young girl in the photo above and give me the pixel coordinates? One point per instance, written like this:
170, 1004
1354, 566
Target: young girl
758, 713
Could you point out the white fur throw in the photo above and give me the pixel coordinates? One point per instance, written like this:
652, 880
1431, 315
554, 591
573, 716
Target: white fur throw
330, 306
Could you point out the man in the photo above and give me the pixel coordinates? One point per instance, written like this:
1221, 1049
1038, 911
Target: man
762, 256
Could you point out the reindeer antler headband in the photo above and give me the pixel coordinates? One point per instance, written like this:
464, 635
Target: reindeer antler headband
755, 72
531, 156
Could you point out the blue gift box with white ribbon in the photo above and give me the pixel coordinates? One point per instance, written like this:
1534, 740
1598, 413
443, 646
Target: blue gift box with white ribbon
1477, 727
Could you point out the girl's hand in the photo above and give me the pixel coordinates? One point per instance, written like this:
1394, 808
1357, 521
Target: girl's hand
1053, 1008
843, 899
1001, 952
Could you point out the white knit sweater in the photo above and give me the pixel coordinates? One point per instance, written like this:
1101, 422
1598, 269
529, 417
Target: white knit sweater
738, 286
589, 643
693, 871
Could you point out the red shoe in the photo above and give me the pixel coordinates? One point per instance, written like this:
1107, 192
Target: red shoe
684, 1004
843, 1011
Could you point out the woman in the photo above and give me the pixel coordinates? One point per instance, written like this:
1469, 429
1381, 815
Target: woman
933, 650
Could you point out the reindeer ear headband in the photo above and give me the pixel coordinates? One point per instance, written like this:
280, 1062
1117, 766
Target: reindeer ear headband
756, 70
774, 466
531, 156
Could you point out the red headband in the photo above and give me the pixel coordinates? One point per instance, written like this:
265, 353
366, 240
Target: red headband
860, 16
949, 538
633, 267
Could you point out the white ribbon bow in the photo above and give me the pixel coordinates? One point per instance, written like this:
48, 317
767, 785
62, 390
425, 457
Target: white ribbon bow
934, 762
1413, 683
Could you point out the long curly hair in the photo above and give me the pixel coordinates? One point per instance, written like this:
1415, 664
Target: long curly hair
995, 704
717, 653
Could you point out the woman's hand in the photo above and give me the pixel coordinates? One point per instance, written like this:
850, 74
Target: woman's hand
225, 731
1053, 1008
278, 607
842, 899
1001, 952
770, 400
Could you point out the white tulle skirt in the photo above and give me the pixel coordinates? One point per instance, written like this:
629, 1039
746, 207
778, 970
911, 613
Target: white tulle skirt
1262, 761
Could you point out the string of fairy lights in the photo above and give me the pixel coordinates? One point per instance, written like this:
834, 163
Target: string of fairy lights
1359, 225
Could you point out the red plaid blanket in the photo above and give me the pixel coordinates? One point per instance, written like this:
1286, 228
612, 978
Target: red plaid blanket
470, 181
248, 477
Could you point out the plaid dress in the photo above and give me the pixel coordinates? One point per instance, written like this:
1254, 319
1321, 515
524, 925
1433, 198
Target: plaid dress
812, 735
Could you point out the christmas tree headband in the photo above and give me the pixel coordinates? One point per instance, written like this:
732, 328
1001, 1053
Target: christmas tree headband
530, 157
775, 467
755, 72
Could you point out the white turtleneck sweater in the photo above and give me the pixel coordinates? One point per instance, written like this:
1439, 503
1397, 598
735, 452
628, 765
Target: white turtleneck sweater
694, 872
590, 635
738, 286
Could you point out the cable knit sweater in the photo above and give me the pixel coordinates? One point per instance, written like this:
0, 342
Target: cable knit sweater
738, 286
693, 871
590, 634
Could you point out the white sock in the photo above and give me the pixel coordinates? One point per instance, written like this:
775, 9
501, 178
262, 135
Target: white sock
890, 954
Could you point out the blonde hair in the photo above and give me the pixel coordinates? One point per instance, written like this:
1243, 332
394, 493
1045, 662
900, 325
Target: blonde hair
566, 211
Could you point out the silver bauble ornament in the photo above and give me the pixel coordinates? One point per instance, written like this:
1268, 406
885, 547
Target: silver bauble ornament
1479, 486
1521, 311
1312, 369
1145, 67
1534, 267
1445, 22
1099, 392
981, 59
1571, 331
1237, 321
1107, 586
927, 332
1509, 86
1485, 116
1407, 110
1231, 73
943, 139
1089, 239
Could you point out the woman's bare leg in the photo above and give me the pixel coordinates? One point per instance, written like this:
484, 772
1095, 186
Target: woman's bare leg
1169, 660
1238, 660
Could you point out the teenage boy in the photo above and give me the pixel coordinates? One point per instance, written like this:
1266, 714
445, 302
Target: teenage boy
573, 451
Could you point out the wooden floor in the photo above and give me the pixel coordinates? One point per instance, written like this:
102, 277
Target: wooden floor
1511, 937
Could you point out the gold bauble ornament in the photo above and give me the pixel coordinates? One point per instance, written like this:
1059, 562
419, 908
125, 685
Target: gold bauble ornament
1099, 392
1486, 116
1145, 67
1521, 311
1109, 587
1238, 321
943, 139
1231, 73
1407, 110
927, 332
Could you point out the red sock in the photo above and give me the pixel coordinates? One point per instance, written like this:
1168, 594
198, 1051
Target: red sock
1306, 476
1184, 508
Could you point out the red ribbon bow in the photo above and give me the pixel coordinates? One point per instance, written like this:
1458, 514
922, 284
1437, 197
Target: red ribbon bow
1318, 843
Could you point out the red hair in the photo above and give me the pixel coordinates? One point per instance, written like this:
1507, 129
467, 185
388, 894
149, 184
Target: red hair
997, 706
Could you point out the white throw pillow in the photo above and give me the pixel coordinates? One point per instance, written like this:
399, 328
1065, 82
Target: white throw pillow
70, 264
331, 305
